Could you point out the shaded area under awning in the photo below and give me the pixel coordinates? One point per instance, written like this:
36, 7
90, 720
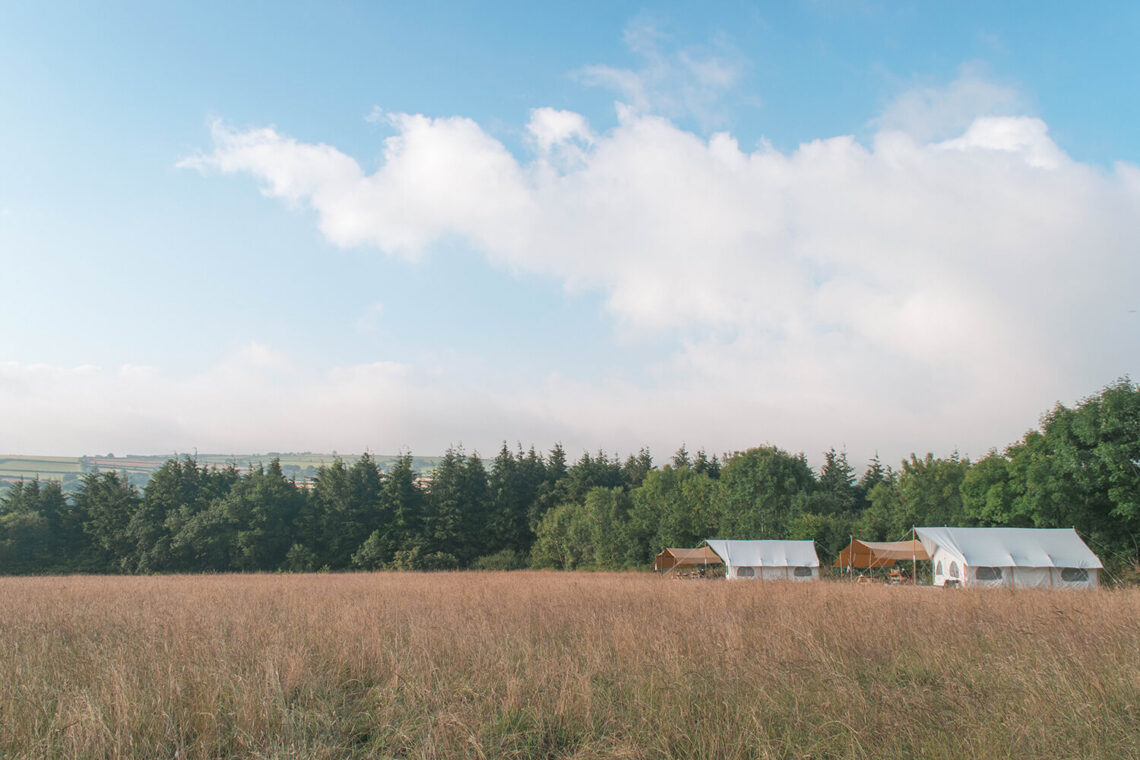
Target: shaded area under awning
863, 554
670, 558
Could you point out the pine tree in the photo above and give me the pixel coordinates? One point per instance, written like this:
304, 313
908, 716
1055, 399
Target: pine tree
636, 468
554, 489
106, 500
443, 518
837, 485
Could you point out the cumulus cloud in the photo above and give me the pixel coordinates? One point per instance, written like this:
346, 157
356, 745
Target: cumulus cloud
437, 172
906, 291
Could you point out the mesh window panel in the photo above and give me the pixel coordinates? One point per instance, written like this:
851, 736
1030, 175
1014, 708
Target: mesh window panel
989, 573
1074, 575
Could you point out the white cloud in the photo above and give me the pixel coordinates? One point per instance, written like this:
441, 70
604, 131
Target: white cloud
688, 82
939, 112
551, 128
437, 173
910, 292
1028, 138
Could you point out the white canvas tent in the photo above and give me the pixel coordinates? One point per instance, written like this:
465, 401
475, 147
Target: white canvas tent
767, 560
1010, 557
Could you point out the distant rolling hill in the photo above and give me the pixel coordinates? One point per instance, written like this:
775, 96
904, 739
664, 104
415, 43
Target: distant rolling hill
69, 470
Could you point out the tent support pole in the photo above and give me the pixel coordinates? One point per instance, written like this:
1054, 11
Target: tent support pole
913, 559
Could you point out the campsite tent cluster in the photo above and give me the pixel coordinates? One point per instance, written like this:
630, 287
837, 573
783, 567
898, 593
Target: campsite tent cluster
1001, 557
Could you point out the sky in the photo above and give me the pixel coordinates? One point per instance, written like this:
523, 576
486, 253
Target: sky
881, 227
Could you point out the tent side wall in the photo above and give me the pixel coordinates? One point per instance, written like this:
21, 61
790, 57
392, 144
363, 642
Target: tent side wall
743, 572
773, 573
1031, 577
1065, 577
998, 577
1055, 577
767, 560
778, 573
1092, 582
813, 577
945, 565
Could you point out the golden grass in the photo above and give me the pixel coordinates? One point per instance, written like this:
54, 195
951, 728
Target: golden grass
521, 665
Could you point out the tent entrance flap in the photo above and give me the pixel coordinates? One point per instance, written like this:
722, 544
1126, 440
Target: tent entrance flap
864, 554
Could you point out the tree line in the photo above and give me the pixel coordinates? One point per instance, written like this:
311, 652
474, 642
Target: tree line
1080, 468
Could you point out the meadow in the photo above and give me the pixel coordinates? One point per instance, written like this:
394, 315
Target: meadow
560, 665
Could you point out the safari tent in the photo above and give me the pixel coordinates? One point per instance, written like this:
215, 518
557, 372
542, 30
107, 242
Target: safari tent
673, 558
1010, 557
867, 554
767, 560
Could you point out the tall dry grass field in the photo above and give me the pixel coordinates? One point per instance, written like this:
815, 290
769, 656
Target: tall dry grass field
560, 665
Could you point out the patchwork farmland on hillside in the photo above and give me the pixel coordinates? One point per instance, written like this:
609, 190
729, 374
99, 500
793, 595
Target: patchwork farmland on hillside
69, 470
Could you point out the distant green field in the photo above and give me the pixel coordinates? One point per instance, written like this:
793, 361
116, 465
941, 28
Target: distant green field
47, 460
44, 468
69, 470
40, 464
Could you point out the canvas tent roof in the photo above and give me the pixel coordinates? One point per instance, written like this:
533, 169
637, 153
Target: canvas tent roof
765, 553
1011, 547
685, 558
880, 553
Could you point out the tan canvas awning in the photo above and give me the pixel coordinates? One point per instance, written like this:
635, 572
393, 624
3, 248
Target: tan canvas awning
880, 553
670, 558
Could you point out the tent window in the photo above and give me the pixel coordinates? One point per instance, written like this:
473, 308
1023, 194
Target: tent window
745, 572
1074, 575
954, 570
938, 568
989, 573
803, 572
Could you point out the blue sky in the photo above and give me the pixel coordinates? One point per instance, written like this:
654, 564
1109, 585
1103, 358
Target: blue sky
883, 226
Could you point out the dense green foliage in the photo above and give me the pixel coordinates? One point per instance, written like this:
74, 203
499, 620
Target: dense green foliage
1080, 469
